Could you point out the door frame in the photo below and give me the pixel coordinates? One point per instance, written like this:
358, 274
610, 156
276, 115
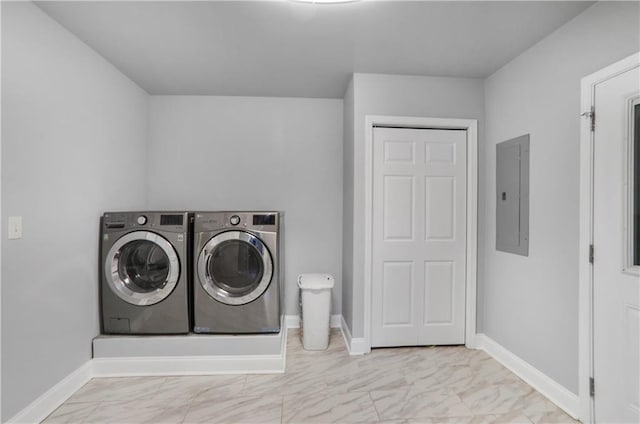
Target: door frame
471, 127
585, 271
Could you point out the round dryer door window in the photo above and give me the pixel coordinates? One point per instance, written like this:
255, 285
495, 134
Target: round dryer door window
235, 267
142, 268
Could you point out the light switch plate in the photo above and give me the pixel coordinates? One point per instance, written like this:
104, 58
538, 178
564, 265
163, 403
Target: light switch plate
15, 227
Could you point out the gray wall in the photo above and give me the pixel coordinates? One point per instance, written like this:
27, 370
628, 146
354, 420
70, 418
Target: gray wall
376, 94
347, 210
531, 303
73, 141
256, 153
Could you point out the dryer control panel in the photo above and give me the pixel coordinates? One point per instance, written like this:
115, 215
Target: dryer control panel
212, 221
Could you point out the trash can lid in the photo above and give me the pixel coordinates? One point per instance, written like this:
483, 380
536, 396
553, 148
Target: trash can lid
316, 281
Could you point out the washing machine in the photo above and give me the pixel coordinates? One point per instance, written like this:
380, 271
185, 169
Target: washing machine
145, 272
237, 284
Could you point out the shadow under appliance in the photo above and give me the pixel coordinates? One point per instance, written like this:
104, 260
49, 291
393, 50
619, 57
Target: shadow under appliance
144, 279
236, 286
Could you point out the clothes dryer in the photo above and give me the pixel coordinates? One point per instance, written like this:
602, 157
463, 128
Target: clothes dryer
144, 282
237, 283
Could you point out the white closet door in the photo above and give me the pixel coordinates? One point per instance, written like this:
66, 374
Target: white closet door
419, 237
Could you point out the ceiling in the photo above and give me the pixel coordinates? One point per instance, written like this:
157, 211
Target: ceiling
290, 49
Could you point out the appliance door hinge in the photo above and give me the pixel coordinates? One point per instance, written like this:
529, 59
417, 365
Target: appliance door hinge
592, 387
591, 114
591, 253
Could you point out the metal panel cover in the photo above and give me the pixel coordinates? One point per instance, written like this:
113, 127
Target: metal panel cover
512, 196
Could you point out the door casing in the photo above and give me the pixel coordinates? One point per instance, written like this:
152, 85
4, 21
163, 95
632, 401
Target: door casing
585, 271
471, 127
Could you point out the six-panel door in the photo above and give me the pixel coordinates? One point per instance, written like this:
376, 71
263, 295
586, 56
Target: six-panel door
419, 236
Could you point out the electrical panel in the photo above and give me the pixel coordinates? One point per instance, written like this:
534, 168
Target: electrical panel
512, 196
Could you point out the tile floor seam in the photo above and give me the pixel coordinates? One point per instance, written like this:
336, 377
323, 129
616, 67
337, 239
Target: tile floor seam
186, 411
375, 407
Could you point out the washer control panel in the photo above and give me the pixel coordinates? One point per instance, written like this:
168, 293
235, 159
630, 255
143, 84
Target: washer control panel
169, 221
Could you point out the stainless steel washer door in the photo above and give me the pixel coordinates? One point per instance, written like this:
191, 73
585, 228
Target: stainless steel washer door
235, 267
142, 268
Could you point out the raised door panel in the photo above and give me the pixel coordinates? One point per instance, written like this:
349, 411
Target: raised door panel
397, 294
439, 282
398, 203
399, 151
440, 209
436, 153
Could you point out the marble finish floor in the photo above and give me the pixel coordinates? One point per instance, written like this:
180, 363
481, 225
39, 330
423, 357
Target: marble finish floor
398, 385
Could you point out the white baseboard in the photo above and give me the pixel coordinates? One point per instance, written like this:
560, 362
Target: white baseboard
44, 405
346, 335
191, 365
355, 346
194, 365
556, 393
293, 321
39, 409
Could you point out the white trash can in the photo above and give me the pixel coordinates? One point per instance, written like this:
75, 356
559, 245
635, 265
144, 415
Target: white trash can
315, 310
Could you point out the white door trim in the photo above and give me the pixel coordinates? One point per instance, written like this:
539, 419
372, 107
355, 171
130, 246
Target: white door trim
585, 275
471, 126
